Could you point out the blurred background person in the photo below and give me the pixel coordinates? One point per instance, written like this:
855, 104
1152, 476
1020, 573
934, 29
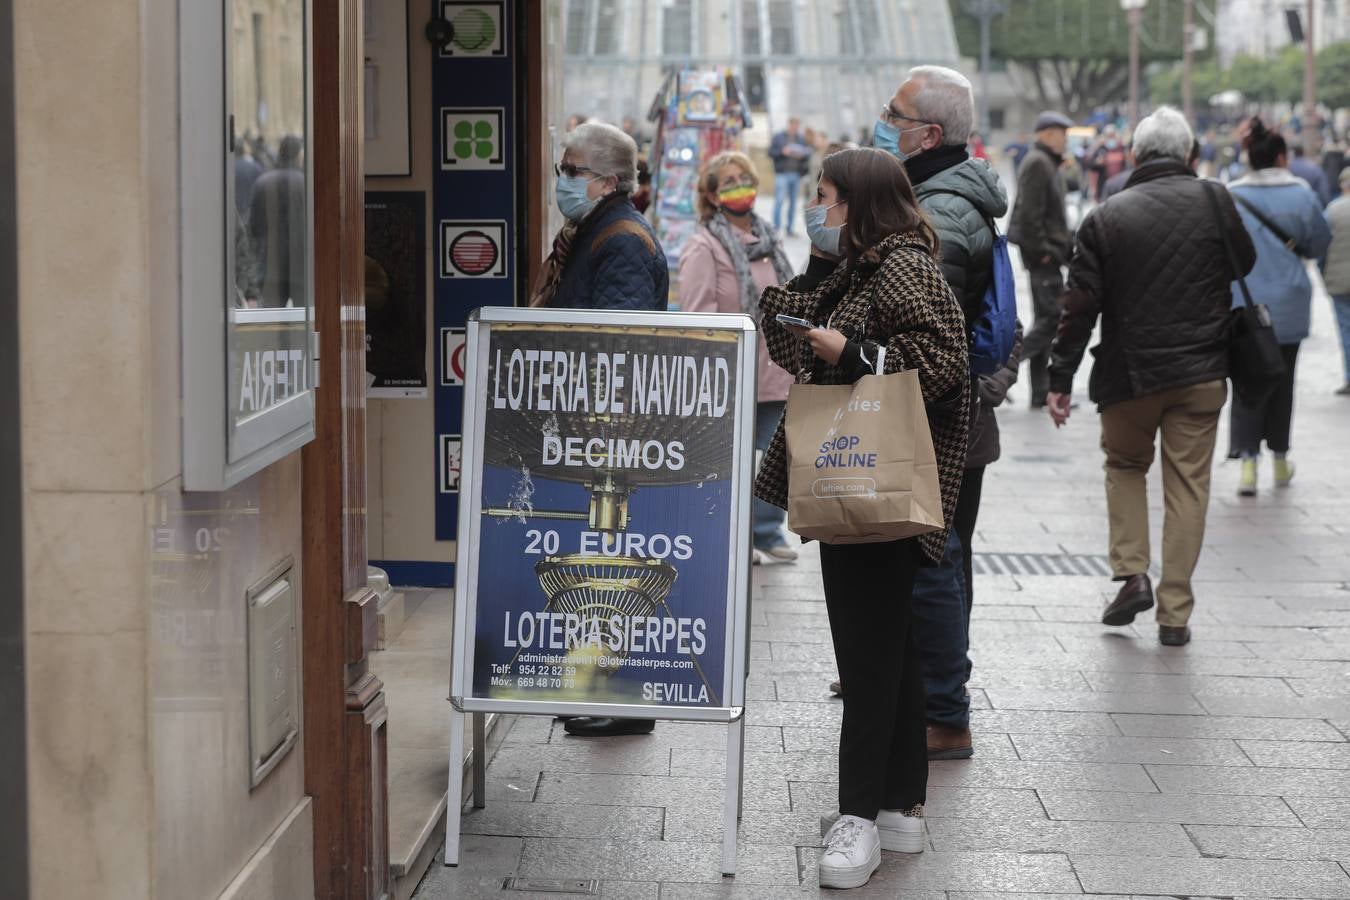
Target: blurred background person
791, 156
276, 223
1040, 229
1336, 270
1284, 217
724, 267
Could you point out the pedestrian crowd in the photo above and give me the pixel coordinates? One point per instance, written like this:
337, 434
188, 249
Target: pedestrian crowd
905, 256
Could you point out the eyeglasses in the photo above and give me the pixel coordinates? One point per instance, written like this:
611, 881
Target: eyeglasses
891, 117
572, 171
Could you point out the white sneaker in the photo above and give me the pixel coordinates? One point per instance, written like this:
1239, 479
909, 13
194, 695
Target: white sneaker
899, 831
852, 853
757, 558
782, 552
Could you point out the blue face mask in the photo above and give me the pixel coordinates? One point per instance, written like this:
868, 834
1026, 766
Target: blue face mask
825, 237
571, 194
886, 136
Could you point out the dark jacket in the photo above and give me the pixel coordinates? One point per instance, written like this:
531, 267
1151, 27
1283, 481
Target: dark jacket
1151, 262
990, 392
961, 198
615, 262
896, 296
1040, 226
782, 162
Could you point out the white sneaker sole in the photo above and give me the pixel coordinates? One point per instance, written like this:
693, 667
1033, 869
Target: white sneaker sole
850, 876
892, 839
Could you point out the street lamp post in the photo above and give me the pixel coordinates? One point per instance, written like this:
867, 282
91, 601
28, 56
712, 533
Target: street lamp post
1134, 9
1188, 61
985, 11
1312, 131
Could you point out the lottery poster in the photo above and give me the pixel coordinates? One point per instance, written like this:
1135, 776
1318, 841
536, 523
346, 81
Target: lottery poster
606, 472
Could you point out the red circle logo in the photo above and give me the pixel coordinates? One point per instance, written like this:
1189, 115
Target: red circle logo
473, 253
457, 362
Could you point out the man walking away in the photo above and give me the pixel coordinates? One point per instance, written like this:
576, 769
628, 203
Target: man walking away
1336, 270
1312, 173
791, 156
927, 125
1040, 229
1151, 262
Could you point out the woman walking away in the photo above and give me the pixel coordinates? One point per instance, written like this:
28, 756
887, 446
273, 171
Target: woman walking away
1336, 270
1285, 220
724, 267
888, 293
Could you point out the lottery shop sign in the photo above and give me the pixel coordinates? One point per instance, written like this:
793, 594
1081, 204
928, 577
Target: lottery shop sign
605, 476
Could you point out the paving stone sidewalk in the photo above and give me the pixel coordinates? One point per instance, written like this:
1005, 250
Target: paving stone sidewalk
1105, 764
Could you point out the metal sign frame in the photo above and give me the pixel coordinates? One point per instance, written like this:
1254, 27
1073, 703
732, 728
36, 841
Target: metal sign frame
737, 635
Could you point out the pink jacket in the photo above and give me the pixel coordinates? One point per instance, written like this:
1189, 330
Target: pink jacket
708, 284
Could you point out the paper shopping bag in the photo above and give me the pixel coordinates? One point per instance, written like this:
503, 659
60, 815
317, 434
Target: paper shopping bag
861, 466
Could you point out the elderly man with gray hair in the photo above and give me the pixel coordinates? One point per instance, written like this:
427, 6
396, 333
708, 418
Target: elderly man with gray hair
1154, 263
927, 125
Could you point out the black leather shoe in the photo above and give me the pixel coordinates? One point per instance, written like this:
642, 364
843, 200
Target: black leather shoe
603, 726
1174, 635
1135, 596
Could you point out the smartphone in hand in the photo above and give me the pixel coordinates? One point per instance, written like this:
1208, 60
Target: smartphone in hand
794, 321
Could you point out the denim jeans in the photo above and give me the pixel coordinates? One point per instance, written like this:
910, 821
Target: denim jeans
786, 186
769, 519
940, 630
1342, 304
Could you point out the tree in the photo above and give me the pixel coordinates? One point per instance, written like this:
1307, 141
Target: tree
1164, 84
1333, 75
1076, 52
1278, 79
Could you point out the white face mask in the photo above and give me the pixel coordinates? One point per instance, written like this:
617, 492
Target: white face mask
825, 237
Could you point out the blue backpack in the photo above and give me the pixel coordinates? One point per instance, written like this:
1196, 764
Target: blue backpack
994, 330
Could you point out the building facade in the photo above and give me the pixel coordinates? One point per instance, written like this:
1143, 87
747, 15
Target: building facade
829, 63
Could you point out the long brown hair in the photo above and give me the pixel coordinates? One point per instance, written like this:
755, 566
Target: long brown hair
881, 200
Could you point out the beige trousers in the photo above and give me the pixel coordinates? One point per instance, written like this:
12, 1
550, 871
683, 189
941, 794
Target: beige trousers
1188, 419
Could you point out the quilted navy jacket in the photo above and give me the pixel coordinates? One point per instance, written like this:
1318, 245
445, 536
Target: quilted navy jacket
615, 262
1150, 261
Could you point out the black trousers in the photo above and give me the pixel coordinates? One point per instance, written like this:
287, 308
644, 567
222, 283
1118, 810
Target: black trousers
1270, 421
967, 510
1047, 293
883, 745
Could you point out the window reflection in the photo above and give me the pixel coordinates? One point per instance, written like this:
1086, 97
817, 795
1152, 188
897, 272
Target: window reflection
271, 245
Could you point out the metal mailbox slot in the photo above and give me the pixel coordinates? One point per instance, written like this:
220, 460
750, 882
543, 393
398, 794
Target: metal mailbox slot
273, 685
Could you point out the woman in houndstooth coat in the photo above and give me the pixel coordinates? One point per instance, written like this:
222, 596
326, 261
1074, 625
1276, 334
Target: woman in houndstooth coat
888, 290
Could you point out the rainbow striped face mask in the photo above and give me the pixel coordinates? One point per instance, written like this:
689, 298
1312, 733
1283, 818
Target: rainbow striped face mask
738, 200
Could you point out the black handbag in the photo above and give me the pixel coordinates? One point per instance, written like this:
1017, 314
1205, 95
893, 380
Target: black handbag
1255, 364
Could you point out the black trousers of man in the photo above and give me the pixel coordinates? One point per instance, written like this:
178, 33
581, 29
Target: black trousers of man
883, 745
1047, 293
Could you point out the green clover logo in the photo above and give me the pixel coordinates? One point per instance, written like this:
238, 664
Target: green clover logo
474, 139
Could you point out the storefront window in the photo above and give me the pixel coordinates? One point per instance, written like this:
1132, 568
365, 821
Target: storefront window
247, 244
269, 325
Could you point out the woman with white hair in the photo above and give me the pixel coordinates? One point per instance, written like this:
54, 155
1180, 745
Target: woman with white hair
606, 256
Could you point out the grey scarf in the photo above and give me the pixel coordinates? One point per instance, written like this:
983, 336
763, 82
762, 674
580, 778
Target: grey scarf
742, 254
